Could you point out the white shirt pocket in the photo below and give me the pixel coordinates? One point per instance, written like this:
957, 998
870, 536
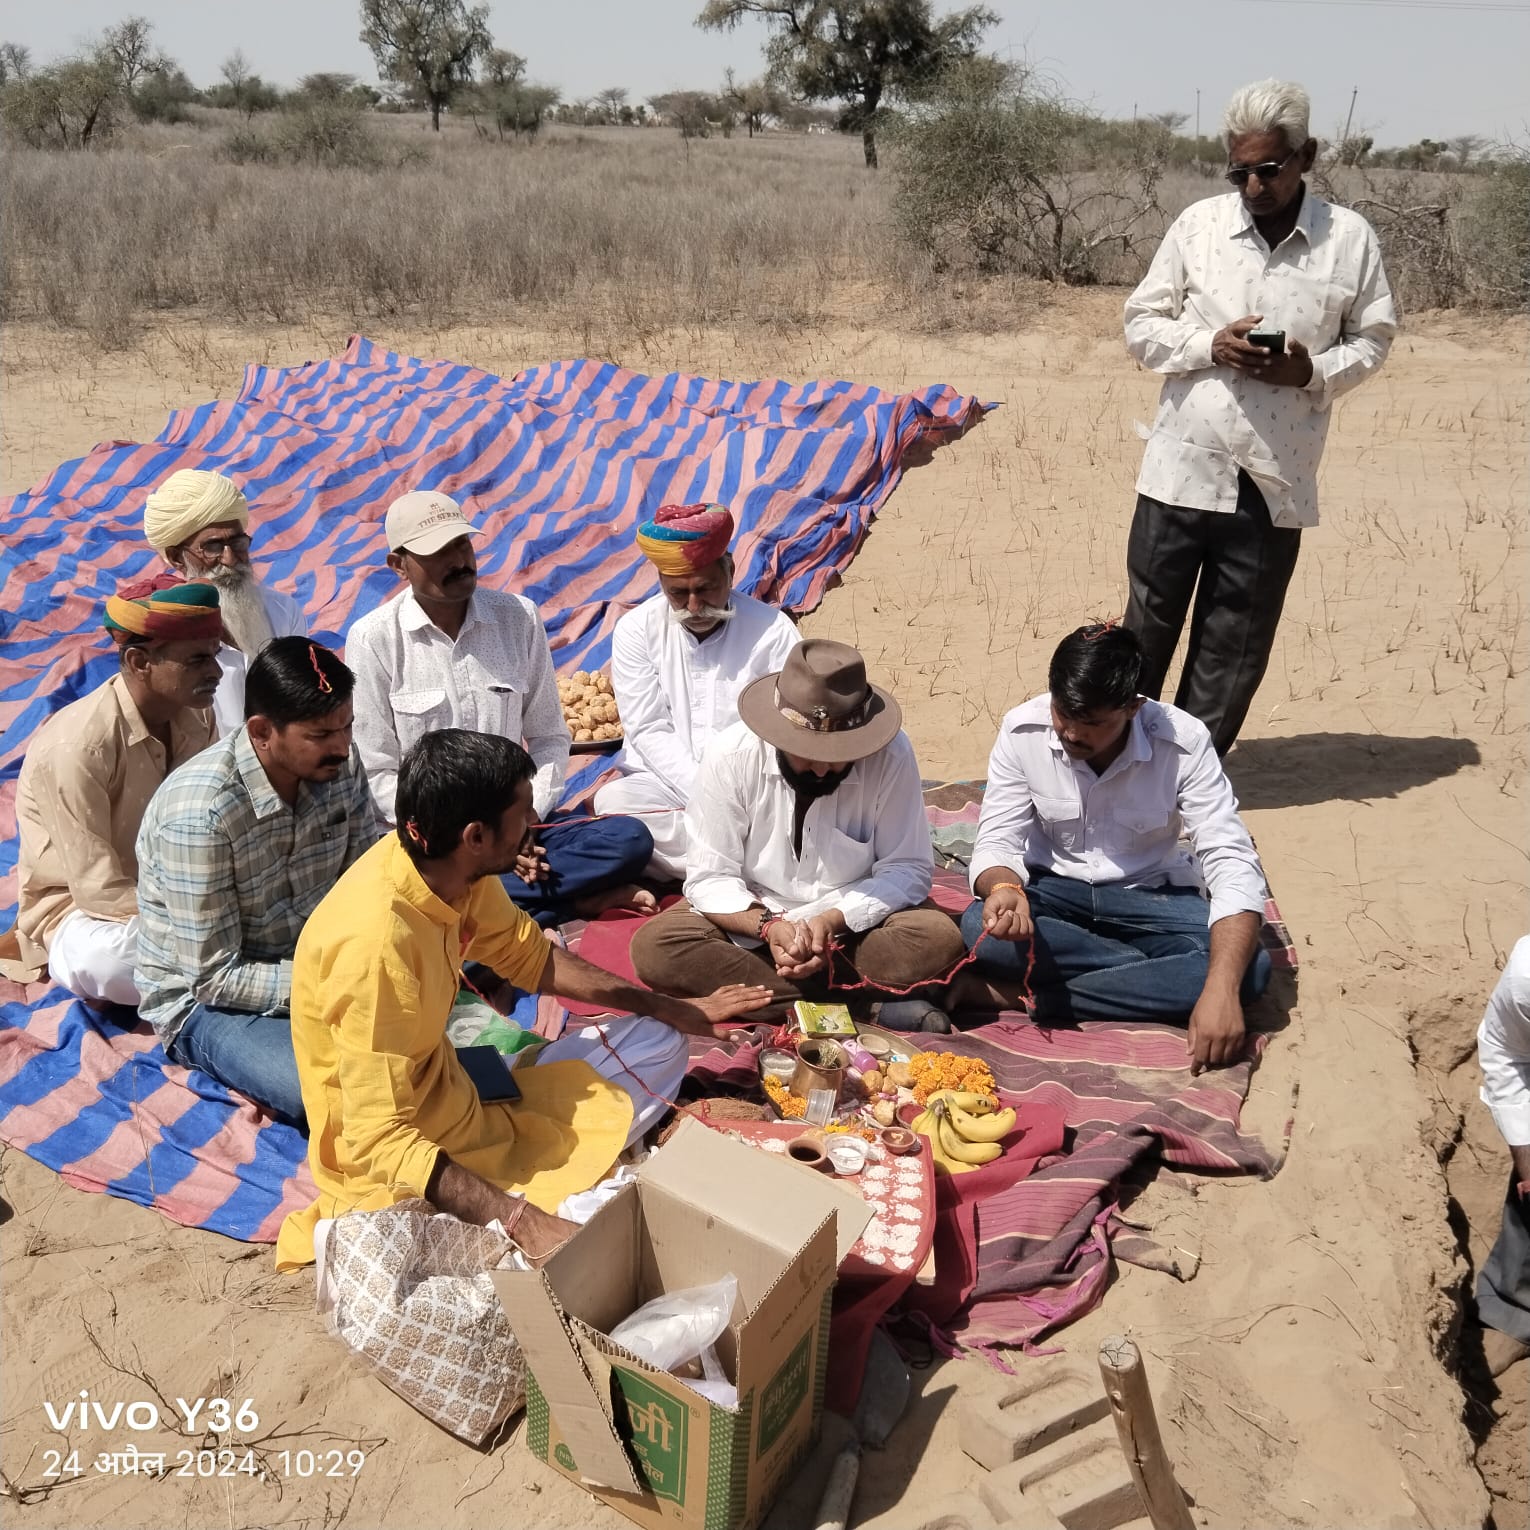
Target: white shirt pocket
1141, 831
1061, 819
845, 859
417, 713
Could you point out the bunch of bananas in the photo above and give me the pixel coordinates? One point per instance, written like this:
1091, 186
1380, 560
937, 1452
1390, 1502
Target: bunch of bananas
965, 1130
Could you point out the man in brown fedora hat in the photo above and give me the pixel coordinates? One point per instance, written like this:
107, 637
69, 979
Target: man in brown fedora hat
809, 864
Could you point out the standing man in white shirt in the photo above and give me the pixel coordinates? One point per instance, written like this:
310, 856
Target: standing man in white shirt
809, 864
678, 663
1229, 475
1503, 1050
1082, 892
447, 653
198, 522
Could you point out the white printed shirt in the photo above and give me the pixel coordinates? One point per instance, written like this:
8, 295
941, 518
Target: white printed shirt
1323, 285
228, 701
1503, 1049
1041, 808
865, 848
675, 691
495, 677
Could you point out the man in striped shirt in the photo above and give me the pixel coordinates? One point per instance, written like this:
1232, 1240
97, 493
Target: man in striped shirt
237, 849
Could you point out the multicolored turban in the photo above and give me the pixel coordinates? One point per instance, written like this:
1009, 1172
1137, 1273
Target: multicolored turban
185, 502
682, 538
163, 608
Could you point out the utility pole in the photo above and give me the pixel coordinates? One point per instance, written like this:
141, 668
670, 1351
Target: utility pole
1197, 132
1344, 144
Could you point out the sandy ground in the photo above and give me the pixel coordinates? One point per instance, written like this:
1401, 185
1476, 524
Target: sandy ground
1302, 1372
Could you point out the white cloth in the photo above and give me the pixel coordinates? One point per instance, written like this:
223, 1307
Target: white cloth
865, 848
228, 702
1041, 808
496, 677
1503, 1049
1323, 285
650, 799
93, 958
650, 1063
675, 692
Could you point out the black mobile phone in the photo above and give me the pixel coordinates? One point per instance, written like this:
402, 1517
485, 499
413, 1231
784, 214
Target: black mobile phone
490, 1074
1271, 339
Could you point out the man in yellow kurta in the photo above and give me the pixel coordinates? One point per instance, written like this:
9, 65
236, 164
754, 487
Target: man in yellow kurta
392, 1114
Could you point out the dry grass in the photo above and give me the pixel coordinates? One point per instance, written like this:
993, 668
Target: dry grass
630, 230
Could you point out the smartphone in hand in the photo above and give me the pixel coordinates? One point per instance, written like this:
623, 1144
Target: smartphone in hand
1273, 340
490, 1073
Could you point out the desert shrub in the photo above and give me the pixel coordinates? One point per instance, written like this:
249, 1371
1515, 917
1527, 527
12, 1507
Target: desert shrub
328, 130
988, 176
245, 146
1495, 233
164, 95
75, 104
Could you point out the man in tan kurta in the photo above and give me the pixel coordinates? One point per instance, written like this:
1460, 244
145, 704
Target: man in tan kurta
88, 776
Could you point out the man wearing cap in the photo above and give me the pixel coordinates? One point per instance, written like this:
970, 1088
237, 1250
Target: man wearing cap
88, 776
808, 858
448, 653
678, 663
199, 523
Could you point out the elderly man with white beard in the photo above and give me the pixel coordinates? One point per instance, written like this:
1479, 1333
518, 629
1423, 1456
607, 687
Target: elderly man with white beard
198, 522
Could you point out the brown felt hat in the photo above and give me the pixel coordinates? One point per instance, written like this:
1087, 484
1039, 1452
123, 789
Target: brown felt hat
821, 706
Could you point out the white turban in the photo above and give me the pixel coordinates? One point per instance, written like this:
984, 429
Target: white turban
185, 502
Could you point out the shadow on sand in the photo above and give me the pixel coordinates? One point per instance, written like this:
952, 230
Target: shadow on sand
1337, 767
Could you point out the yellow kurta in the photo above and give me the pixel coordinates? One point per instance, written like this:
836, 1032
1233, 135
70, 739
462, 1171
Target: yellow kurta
376, 973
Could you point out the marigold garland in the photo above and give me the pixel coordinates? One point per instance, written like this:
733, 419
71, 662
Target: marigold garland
934, 1071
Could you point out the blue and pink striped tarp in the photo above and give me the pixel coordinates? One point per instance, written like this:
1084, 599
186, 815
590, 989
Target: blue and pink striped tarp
557, 465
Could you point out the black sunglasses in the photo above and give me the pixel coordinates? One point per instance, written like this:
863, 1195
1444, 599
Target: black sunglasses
1239, 174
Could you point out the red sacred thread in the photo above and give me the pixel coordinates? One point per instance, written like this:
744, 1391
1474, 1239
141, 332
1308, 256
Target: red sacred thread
412, 829
1094, 633
313, 658
931, 982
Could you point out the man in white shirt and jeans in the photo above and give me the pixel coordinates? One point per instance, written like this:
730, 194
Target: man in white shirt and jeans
1229, 473
809, 860
678, 663
1503, 1050
448, 653
1084, 896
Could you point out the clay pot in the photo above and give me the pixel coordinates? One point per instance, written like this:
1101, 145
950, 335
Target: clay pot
808, 1150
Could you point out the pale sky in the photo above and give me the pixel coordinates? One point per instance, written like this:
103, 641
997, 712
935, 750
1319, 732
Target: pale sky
1433, 68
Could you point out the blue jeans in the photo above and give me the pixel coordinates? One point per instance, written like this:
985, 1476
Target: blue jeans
250, 1053
582, 859
1110, 952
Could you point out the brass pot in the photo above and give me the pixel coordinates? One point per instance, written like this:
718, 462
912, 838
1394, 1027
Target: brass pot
820, 1065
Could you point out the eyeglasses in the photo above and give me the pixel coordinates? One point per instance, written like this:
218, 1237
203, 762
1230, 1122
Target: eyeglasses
214, 550
1239, 174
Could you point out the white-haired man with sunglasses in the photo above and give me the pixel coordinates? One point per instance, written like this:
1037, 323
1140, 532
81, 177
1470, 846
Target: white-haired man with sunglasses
1262, 306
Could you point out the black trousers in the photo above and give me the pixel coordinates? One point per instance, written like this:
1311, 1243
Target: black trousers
1243, 565
1503, 1282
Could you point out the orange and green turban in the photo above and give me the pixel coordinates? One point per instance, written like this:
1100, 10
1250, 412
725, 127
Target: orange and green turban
163, 608
682, 538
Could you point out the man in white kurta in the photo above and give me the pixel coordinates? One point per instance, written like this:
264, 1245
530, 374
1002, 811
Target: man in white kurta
198, 522
678, 663
809, 861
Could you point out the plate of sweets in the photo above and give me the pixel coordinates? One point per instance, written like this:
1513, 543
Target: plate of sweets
589, 710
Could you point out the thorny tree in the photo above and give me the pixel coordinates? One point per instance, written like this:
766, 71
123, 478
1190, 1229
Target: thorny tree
860, 52
429, 46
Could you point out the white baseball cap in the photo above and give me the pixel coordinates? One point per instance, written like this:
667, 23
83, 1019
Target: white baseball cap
424, 521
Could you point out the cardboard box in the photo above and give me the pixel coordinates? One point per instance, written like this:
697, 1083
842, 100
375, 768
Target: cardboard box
702, 1207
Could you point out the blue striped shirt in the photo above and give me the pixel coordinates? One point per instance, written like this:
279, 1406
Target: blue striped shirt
228, 874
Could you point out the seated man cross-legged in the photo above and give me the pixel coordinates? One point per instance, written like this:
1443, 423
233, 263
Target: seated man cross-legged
447, 652
237, 849
809, 857
88, 777
678, 663
1079, 876
393, 1112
